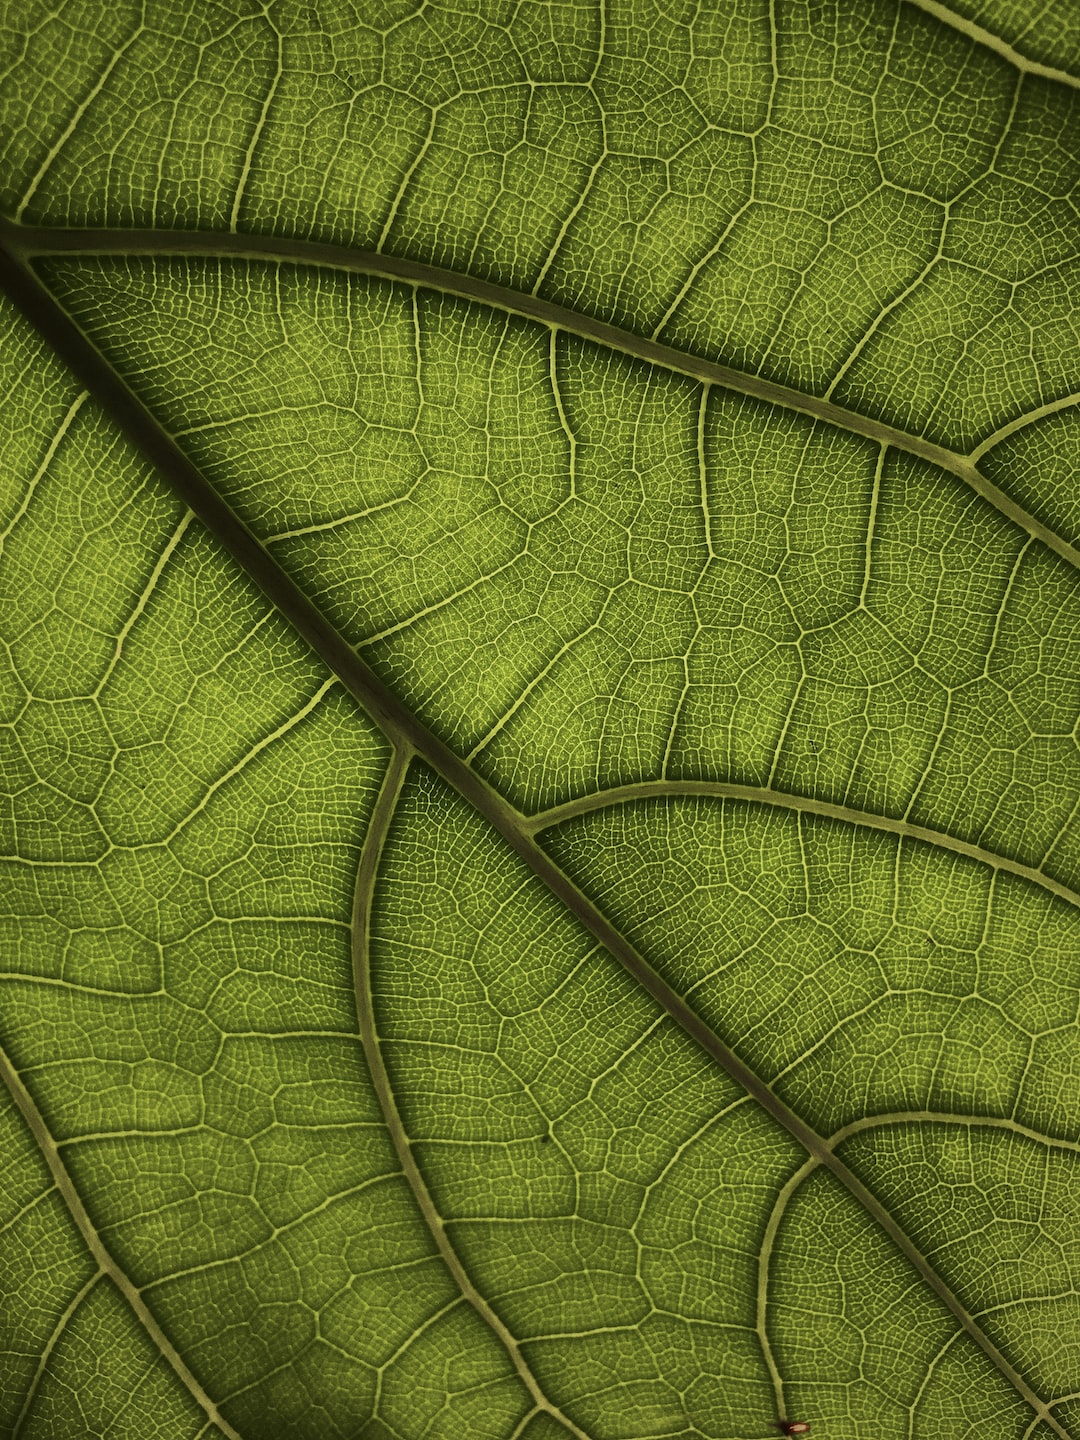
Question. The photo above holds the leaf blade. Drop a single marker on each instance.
(924, 692)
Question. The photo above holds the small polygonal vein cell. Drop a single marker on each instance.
(827, 196)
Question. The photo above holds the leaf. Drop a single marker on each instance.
(540, 712)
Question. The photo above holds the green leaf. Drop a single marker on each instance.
(540, 861)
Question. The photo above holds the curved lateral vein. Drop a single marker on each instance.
(106, 1264)
(993, 42)
(810, 1166)
(406, 732)
(50, 1345)
(1021, 422)
(25, 242)
(947, 1117)
(803, 805)
(768, 1241)
(366, 877)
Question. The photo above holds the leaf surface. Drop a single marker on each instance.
(541, 841)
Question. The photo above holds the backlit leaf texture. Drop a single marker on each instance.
(540, 720)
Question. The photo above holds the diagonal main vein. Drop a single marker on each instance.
(407, 732)
(25, 242)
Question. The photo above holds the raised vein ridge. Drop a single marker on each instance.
(949, 1117)
(806, 805)
(47, 1352)
(366, 877)
(25, 242)
(407, 733)
(106, 1264)
(1001, 47)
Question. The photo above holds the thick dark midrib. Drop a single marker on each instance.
(407, 732)
(25, 242)
(366, 877)
(106, 1264)
(805, 805)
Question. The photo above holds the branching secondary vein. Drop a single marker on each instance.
(50, 1345)
(25, 242)
(802, 804)
(105, 1262)
(993, 42)
(410, 735)
(366, 878)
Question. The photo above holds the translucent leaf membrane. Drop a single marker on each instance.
(74, 1359)
(912, 1005)
(585, 571)
(186, 795)
(859, 195)
(610, 1191)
